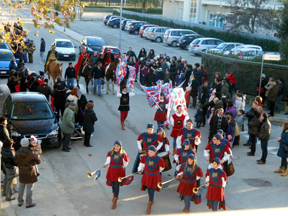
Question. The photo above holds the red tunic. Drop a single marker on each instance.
(217, 150)
(178, 124)
(160, 115)
(215, 190)
(189, 134)
(116, 167)
(152, 175)
(223, 140)
(78, 64)
(183, 154)
(189, 180)
(149, 139)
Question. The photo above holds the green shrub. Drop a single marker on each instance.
(267, 45)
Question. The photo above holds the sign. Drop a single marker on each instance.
(271, 57)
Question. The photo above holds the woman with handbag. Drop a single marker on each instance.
(283, 150)
(8, 154)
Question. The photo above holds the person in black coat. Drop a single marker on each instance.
(89, 121)
(59, 97)
(4, 132)
(12, 65)
(218, 87)
(151, 54)
(142, 54)
(45, 89)
(194, 90)
(131, 53)
(188, 72)
(12, 83)
(218, 121)
(82, 102)
(150, 78)
(173, 72)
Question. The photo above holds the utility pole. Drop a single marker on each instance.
(120, 32)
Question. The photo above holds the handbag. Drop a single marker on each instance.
(12, 173)
(230, 170)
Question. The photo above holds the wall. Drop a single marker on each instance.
(170, 9)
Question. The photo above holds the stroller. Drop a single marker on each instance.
(78, 133)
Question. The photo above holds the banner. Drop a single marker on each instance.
(132, 76)
(153, 93)
(167, 89)
(121, 69)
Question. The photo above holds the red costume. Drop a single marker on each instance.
(215, 191)
(79, 63)
(160, 114)
(178, 124)
(189, 134)
(189, 181)
(217, 150)
(183, 154)
(116, 167)
(108, 58)
(149, 139)
(151, 176)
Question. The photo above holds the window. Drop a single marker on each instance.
(193, 11)
(204, 42)
(64, 44)
(159, 30)
(211, 42)
(174, 33)
(229, 47)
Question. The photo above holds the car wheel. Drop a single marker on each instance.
(158, 40)
(174, 43)
(114, 26)
(136, 32)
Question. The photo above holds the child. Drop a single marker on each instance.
(160, 115)
(260, 105)
(199, 116)
(35, 146)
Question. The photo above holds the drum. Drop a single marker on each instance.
(166, 159)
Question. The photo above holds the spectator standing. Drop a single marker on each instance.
(98, 74)
(164, 66)
(19, 54)
(68, 125)
(70, 74)
(218, 87)
(229, 135)
(199, 73)
(42, 50)
(59, 96)
(194, 91)
(224, 87)
(131, 53)
(283, 150)
(142, 55)
(94, 58)
(187, 75)
(199, 116)
(31, 48)
(12, 83)
(264, 82)
(137, 68)
(4, 133)
(240, 118)
(272, 97)
(264, 131)
(45, 89)
(205, 73)
(240, 102)
(73, 97)
(26, 161)
(268, 86)
(151, 54)
(150, 79)
(218, 121)
(253, 131)
(280, 95)
(232, 84)
(12, 66)
(89, 121)
(230, 108)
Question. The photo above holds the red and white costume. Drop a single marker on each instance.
(212, 151)
(160, 114)
(193, 135)
(178, 121)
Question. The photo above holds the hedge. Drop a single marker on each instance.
(267, 45)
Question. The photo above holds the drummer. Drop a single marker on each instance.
(182, 154)
(189, 174)
(145, 140)
(166, 146)
(190, 133)
(152, 165)
(117, 159)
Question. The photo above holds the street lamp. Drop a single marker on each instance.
(120, 32)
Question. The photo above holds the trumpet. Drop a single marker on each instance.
(160, 184)
(196, 190)
(120, 179)
(89, 175)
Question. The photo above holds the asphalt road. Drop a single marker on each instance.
(63, 188)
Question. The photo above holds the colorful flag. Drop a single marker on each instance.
(153, 93)
(132, 76)
(121, 70)
(167, 89)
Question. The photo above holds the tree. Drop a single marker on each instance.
(282, 28)
(249, 14)
(284, 49)
(145, 4)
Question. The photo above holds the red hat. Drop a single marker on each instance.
(109, 50)
(33, 139)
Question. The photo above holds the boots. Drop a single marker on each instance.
(122, 124)
(285, 173)
(113, 195)
(174, 151)
(149, 207)
(186, 211)
(114, 202)
(280, 170)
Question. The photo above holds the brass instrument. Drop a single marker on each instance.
(120, 179)
(160, 184)
(89, 175)
(196, 190)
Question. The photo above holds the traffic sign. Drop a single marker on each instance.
(271, 57)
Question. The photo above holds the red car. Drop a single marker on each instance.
(143, 27)
(115, 51)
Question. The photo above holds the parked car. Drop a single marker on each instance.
(171, 36)
(114, 23)
(91, 44)
(128, 24)
(29, 113)
(135, 26)
(147, 31)
(4, 45)
(5, 57)
(185, 40)
(123, 23)
(143, 27)
(221, 48)
(65, 49)
(234, 50)
(248, 53)
(202, 44)
(157, 33)
(107, 17)
(115, 51)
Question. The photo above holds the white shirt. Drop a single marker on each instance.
(131, 94)
(172, 120)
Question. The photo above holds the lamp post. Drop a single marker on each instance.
(120, 32)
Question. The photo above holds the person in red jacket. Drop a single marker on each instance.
(189, 174)
(82, 61)
(232, 84)
(117, 159)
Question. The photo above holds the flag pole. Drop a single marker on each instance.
(150, 96)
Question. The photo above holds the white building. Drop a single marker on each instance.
(203, 11)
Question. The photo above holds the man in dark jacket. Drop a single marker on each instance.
(19, 54)
(89, 121)
(272, 97)
(59, 96)
(94, 58)
(218, 87)
(187, 75)
(250, 116)
(70, 74)
(218, 121)
(194, 90)
(45, 89)
(98, 74)
(42, 50)
(26, 160)
(131, 53)
(4, 133)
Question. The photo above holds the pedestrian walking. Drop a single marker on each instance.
(31, 48)
(281, 85)
(59, 97)
(94, 58)
(98, 74)
(253, 131)
(264, 131)
(68, 125)
(26, 161)
(70, 75)
(42, 50)
(283, 150)
(12, 66)
(88, 124)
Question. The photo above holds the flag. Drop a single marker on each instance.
(121, 69)
(177, 97)
(132, 76)
(97, 174)
(128, 180)
(153, 93)
(167, 89)
(180, 84)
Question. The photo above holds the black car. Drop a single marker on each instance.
(135, 26)
(107, 17)
(29, 113)
(114, 23)
(123, 23)
(185, 40)
(91, 44)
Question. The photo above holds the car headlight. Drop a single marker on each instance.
(89, 49)
(54, 132)
(15, 134)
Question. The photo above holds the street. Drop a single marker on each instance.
(63, 188)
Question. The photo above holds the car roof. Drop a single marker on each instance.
(208, 38)
(136, 21)
(113, 47)
(190, 34)
(28, 97)
(58, 39)
(249, 49)
(232, 43)
(93, 37)
(150, 25)
(180, 30)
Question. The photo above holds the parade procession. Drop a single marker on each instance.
(116, 123)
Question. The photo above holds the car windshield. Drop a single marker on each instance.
(114, 51)
(64, 44)
(95, 42)
(31, 111)
(3, 46)
(6, 56)
(221, 46)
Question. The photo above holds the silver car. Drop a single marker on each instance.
(146, 32)
(234, 50)
(172, 36)
(157, 34)
(127, 24)
(202, 44)
(221, 48)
